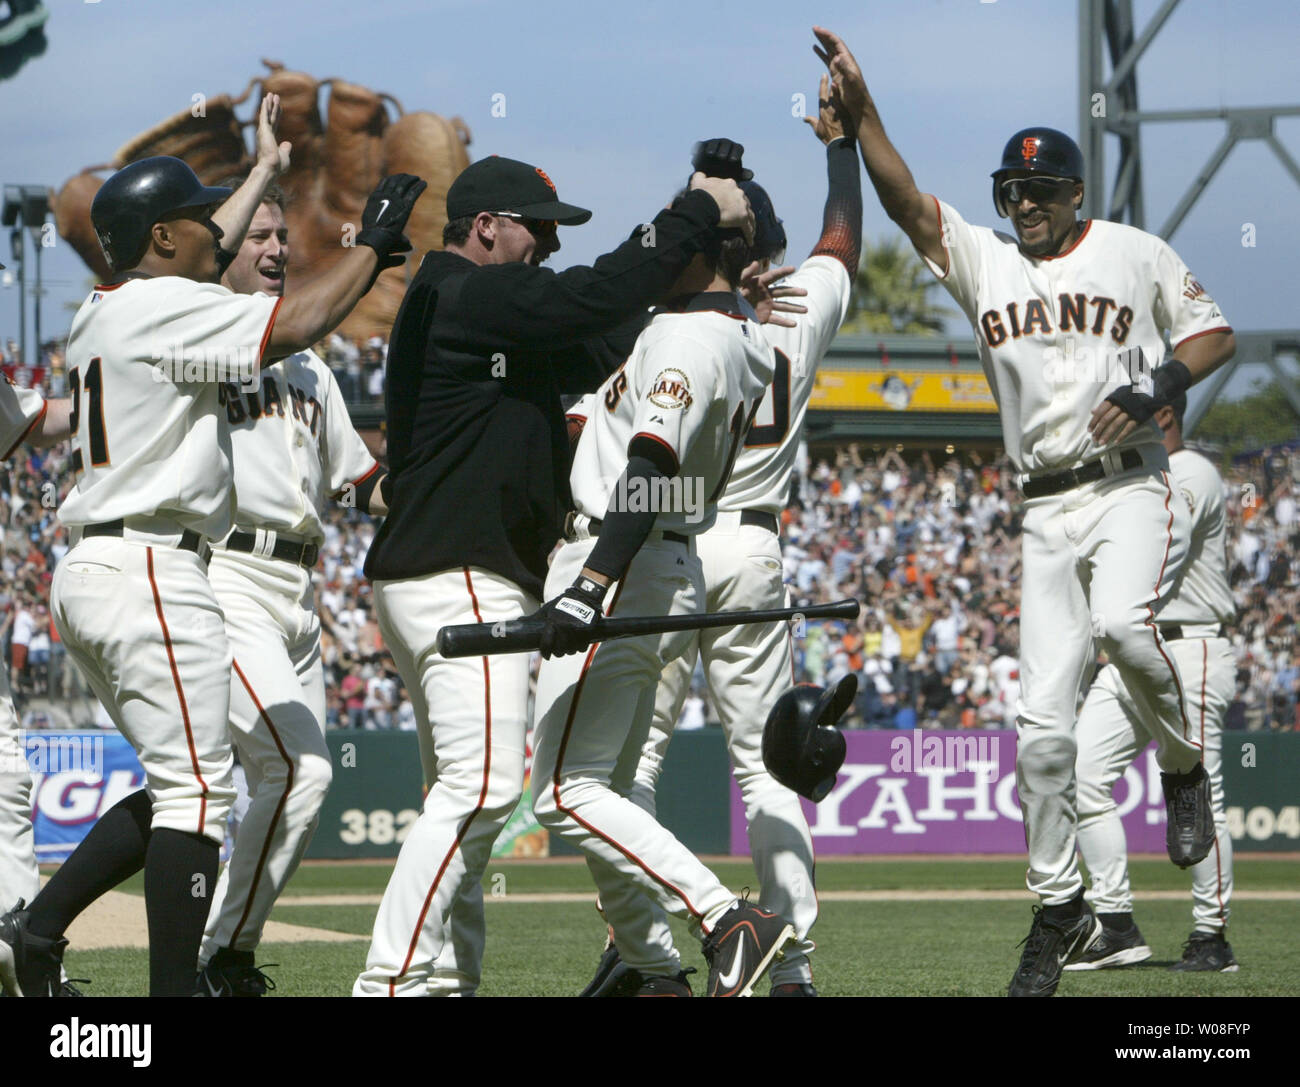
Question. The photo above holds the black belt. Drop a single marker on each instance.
(190, 541)
(1175, 633)
(298, 552)
(1056, 482)
(593, 529)
(759, 519)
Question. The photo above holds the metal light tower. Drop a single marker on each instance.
(1108, 105)
(26, 206)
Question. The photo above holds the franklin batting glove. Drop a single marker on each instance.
(571, 619)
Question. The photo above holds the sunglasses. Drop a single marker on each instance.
(1040, 190)
(535, 227)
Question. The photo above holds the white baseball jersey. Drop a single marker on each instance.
(693, 383)
(145, 358)
(20, 410)
(294, 446)
(761, 478)
(1057, 334)
(1202, 594)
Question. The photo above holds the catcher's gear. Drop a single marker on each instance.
(769, 233)
(1041, 151)
(137, 196)
(721, 158)
(341, 150)
(385, 217)
(801, 747)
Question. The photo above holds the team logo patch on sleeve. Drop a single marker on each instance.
(671, 389)
(1192, 289)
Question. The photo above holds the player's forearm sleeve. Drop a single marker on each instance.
(623, 532)
(842, 220)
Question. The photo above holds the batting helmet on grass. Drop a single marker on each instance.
(801, 747)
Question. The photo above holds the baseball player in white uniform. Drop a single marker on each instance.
(1112, 733)
(1070, 318)
(25, 416)
(676, 413)
(132, 601)
(293, 448)
(748, 667)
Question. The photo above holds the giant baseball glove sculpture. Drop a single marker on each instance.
(338, 159)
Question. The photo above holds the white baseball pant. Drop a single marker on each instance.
(476, 712)
(1111, 734)
(592, 720)
(141, 622)
(1098, 561)
(747, 668)
(457, 970)
(19, 875)
(277, 719)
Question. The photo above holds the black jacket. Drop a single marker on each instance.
(479, 358)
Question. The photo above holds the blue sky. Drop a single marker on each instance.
(609, 98)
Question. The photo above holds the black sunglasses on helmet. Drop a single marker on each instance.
(1038, 189)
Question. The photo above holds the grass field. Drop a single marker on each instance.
(964, 945)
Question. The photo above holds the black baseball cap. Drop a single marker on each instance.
(497, 184)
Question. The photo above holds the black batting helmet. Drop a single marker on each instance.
(137, 196)
(1039, 150)
(769, 232)
(801, 747)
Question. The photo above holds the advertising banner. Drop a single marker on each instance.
(946, 792)
(78, 776)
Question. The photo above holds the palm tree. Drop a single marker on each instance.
(891, 293)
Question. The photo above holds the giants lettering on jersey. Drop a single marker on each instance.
(251, 406)
(1075, 312)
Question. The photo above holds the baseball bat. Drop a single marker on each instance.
(524, 635)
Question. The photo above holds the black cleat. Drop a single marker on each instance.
(793, 988)
(29, 965)
(1116, 946)
(1059, 935)
(1189, 836)
(614, 978)
(741, 947)
(659, 985)
(233, 973)
(1204, 952)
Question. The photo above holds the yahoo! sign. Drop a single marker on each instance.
(946, 792)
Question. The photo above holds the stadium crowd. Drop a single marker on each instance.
(931, 547)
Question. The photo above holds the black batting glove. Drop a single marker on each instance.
(721, 158)
(1167, 383)
(385, 216)
(571, 618)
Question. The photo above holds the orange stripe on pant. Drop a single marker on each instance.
(180, 692)
(469, 819)
(1151, 615)
(1218, 860)
(559, 765)
(279, 808)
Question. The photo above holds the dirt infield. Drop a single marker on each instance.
(118, 920)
